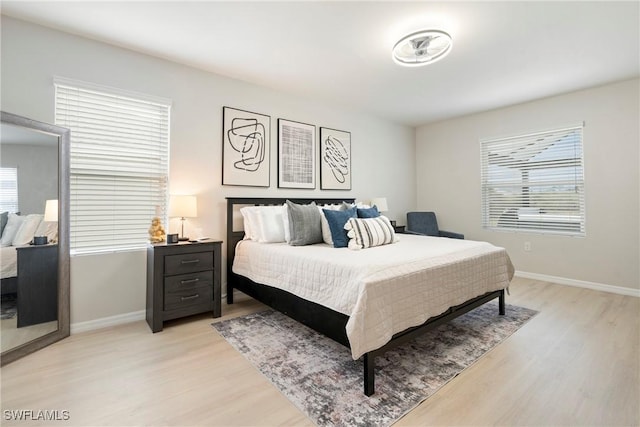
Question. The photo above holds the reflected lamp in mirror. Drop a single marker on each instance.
(183, 207)
(51, 211)
(48, 230)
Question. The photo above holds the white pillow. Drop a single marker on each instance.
(263, 224)
(13, 225)
(270, 224)
(49, 229)
(326, 231)
(27, 230)
(248, 219)
(368, 232)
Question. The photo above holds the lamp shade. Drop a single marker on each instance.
(183, 206)
(51, 211)
(380, 203)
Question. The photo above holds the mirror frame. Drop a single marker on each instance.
(64, 328)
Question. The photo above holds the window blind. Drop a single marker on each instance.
(9, 190)
(118, 164)
(534, 182)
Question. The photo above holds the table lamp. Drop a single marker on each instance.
(380, 203)
(50, 215)
(183, 207)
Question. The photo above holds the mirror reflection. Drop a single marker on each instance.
(29, 233)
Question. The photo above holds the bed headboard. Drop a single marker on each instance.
(233, 236)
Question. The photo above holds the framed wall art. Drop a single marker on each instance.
(245, 148)
(335, 159)
(296, 155)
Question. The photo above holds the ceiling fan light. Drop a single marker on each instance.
(422, 47)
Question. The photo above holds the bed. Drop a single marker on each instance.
(8, 270)
(391, 292)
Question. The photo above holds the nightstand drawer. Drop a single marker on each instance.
(188, 297)
(188, 281)
(187, 263)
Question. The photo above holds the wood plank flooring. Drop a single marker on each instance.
(576, 363)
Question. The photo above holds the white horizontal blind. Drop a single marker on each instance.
(535, 182)
(9, 190)
(119, 165)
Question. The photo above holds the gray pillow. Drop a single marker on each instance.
(4, 217)
(305, 224)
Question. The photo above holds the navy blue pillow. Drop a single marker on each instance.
(336, 221)
(369, 212)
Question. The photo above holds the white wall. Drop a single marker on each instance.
(448, 182)
(109, 285)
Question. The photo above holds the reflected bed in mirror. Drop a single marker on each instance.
(34, 235)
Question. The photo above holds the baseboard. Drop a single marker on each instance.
(105, 322)
(580, 284)
(119, 319)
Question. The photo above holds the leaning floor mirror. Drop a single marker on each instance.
(34, 257)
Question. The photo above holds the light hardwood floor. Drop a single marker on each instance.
(575, 363)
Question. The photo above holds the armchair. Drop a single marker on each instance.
(425, 223)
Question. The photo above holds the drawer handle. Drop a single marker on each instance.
(189, 281)
(190, 297)
(190, 261)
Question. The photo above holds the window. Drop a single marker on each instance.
(118, 164)
(534, 182)
(9, 190)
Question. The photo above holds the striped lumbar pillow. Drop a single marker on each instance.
(367, 232)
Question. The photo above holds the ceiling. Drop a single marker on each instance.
(340, 52)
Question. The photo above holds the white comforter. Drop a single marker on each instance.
(8, 262)
(385, 289)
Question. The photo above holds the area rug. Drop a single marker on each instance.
(319, 376)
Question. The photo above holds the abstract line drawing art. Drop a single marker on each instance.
(245, 148)
(246, 137)
(335, 159)
(296, 154)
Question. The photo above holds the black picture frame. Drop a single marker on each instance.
(246, 148)
(335, 159)
(296, 154)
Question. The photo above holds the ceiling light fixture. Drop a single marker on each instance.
(422, 47)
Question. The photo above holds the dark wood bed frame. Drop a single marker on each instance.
(322, 319)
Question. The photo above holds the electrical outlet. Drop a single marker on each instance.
(527, 246)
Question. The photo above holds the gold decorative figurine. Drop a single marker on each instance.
(156, 231)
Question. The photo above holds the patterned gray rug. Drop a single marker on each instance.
(319, 376)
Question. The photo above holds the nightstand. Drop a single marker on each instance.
(183, 279)
(37, 284)
(398, 229)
